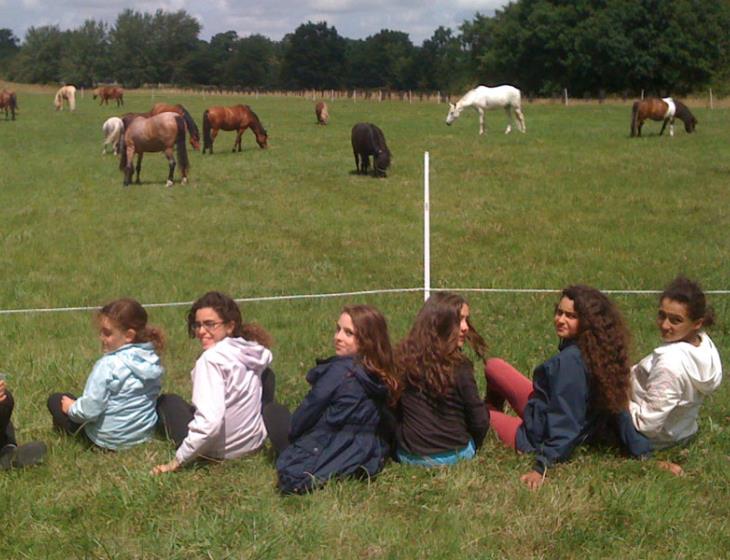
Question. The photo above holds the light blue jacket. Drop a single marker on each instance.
(118, 404)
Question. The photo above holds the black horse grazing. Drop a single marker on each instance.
(368, 140)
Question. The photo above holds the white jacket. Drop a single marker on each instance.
(669, 386)
(227, 400)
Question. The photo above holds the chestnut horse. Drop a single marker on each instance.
(323, 115)
(368, 140)
(9, 102)
(158, 133)
(67, 94)
(666, 109)
(238, 118)
(105, 93)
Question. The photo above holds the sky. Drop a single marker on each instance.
(353, 19)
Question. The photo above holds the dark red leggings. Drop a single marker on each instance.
(505, 381)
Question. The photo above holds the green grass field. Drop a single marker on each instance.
(573, 200)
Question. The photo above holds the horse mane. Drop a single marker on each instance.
(192, 127)
(256, 123)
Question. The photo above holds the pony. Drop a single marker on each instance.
(9, 102)
(112, 128)
(368, 140)
(157, 133)
(67, 94)
(158, 108)
(483, 98)
(105, 93)
(666, 109)
(322, 113)
(238, 118)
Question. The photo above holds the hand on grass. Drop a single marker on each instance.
(532, 479)
(66, 404)
(166, 467)
(673, 468)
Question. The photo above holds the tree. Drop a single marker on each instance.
(443, 62)
(86, 56)
(9, 48)
(40, 55)
(253, 63)
(313, 57)
(131, 48)
(385, 59)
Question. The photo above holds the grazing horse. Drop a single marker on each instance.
(158, 108)
(9, 102)
(105, 93)
(483, 98)
(158, 133)
(238, 118)
(67, 94)
(368, 140)
(666, 109)
(322, 113)
(112, 128)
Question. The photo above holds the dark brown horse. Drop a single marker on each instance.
(368, 140)
(9, 102)
(666, 109)
(238, 118)
(105, 93)
(158, 133)
(323, 115)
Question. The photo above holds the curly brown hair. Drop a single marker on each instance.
(373, 342)
(429, 355)
(603, 340)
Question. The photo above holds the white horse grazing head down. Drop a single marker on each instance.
(483, 98)
(67, 94)
(112, 128)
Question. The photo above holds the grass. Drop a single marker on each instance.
(573, 200)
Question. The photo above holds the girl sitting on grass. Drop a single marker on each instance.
(573, 393)
(12, 455)
(441, 418)
(336, 431)
(670, 384)
(117, 408)
(231, 383)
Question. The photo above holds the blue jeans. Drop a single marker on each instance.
(438, 459)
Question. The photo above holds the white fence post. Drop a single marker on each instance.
(426, 230)
(711, 104)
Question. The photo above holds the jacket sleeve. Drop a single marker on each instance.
(566, 409)
(315, 403)
(93, 402)
(477, 419)
(210, 407)
(663, 394)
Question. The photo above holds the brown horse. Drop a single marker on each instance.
(158, 133)
(323, 115)
(238, 118)
(368, 140)
(666, 109)
(9, 102)
(158, 108)
(105, 93)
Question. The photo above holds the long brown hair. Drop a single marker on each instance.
(228, 311)
(373, 343)
(128, 313)
(429, 355)
(603, 340)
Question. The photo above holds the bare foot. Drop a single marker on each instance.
(673, 468)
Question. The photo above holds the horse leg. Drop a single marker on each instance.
(520, 120)
(213, 135)
(171, 163)
(481, 121)
(671, 128)
(139, 166)
(237, 143)
(508, 110)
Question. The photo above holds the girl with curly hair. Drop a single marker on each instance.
(571, 393)
(441, 418)
(670, 384)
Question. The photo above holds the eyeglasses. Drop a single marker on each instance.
(207, 325)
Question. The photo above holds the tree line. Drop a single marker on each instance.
(591, 47)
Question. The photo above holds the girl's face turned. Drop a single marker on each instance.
(112, 337)
(675, 324)
(210, 328)
(345, 341)
(566, 319)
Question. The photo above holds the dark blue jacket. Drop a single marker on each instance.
(335, 431)
(559, 416)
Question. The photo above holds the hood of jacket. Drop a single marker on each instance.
(253, 355)
(701, 363)
(371, 384)
(140, 359)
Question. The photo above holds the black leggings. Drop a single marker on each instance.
(7, 432)
(61, 421)
(175, 414)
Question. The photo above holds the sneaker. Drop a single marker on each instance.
(29, 454)
(6, 456)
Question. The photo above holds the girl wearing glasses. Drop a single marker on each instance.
(337, 430)
(117, 408)
(231, 382)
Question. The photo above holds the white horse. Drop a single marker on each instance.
(112, 128)
(68, 94)
(483, 98)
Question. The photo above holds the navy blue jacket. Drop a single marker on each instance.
(558, 416)
(335, 431)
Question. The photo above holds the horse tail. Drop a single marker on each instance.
(123, 147)
(207, 140)
(634, 118)
(182, 151)
(192, 127)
